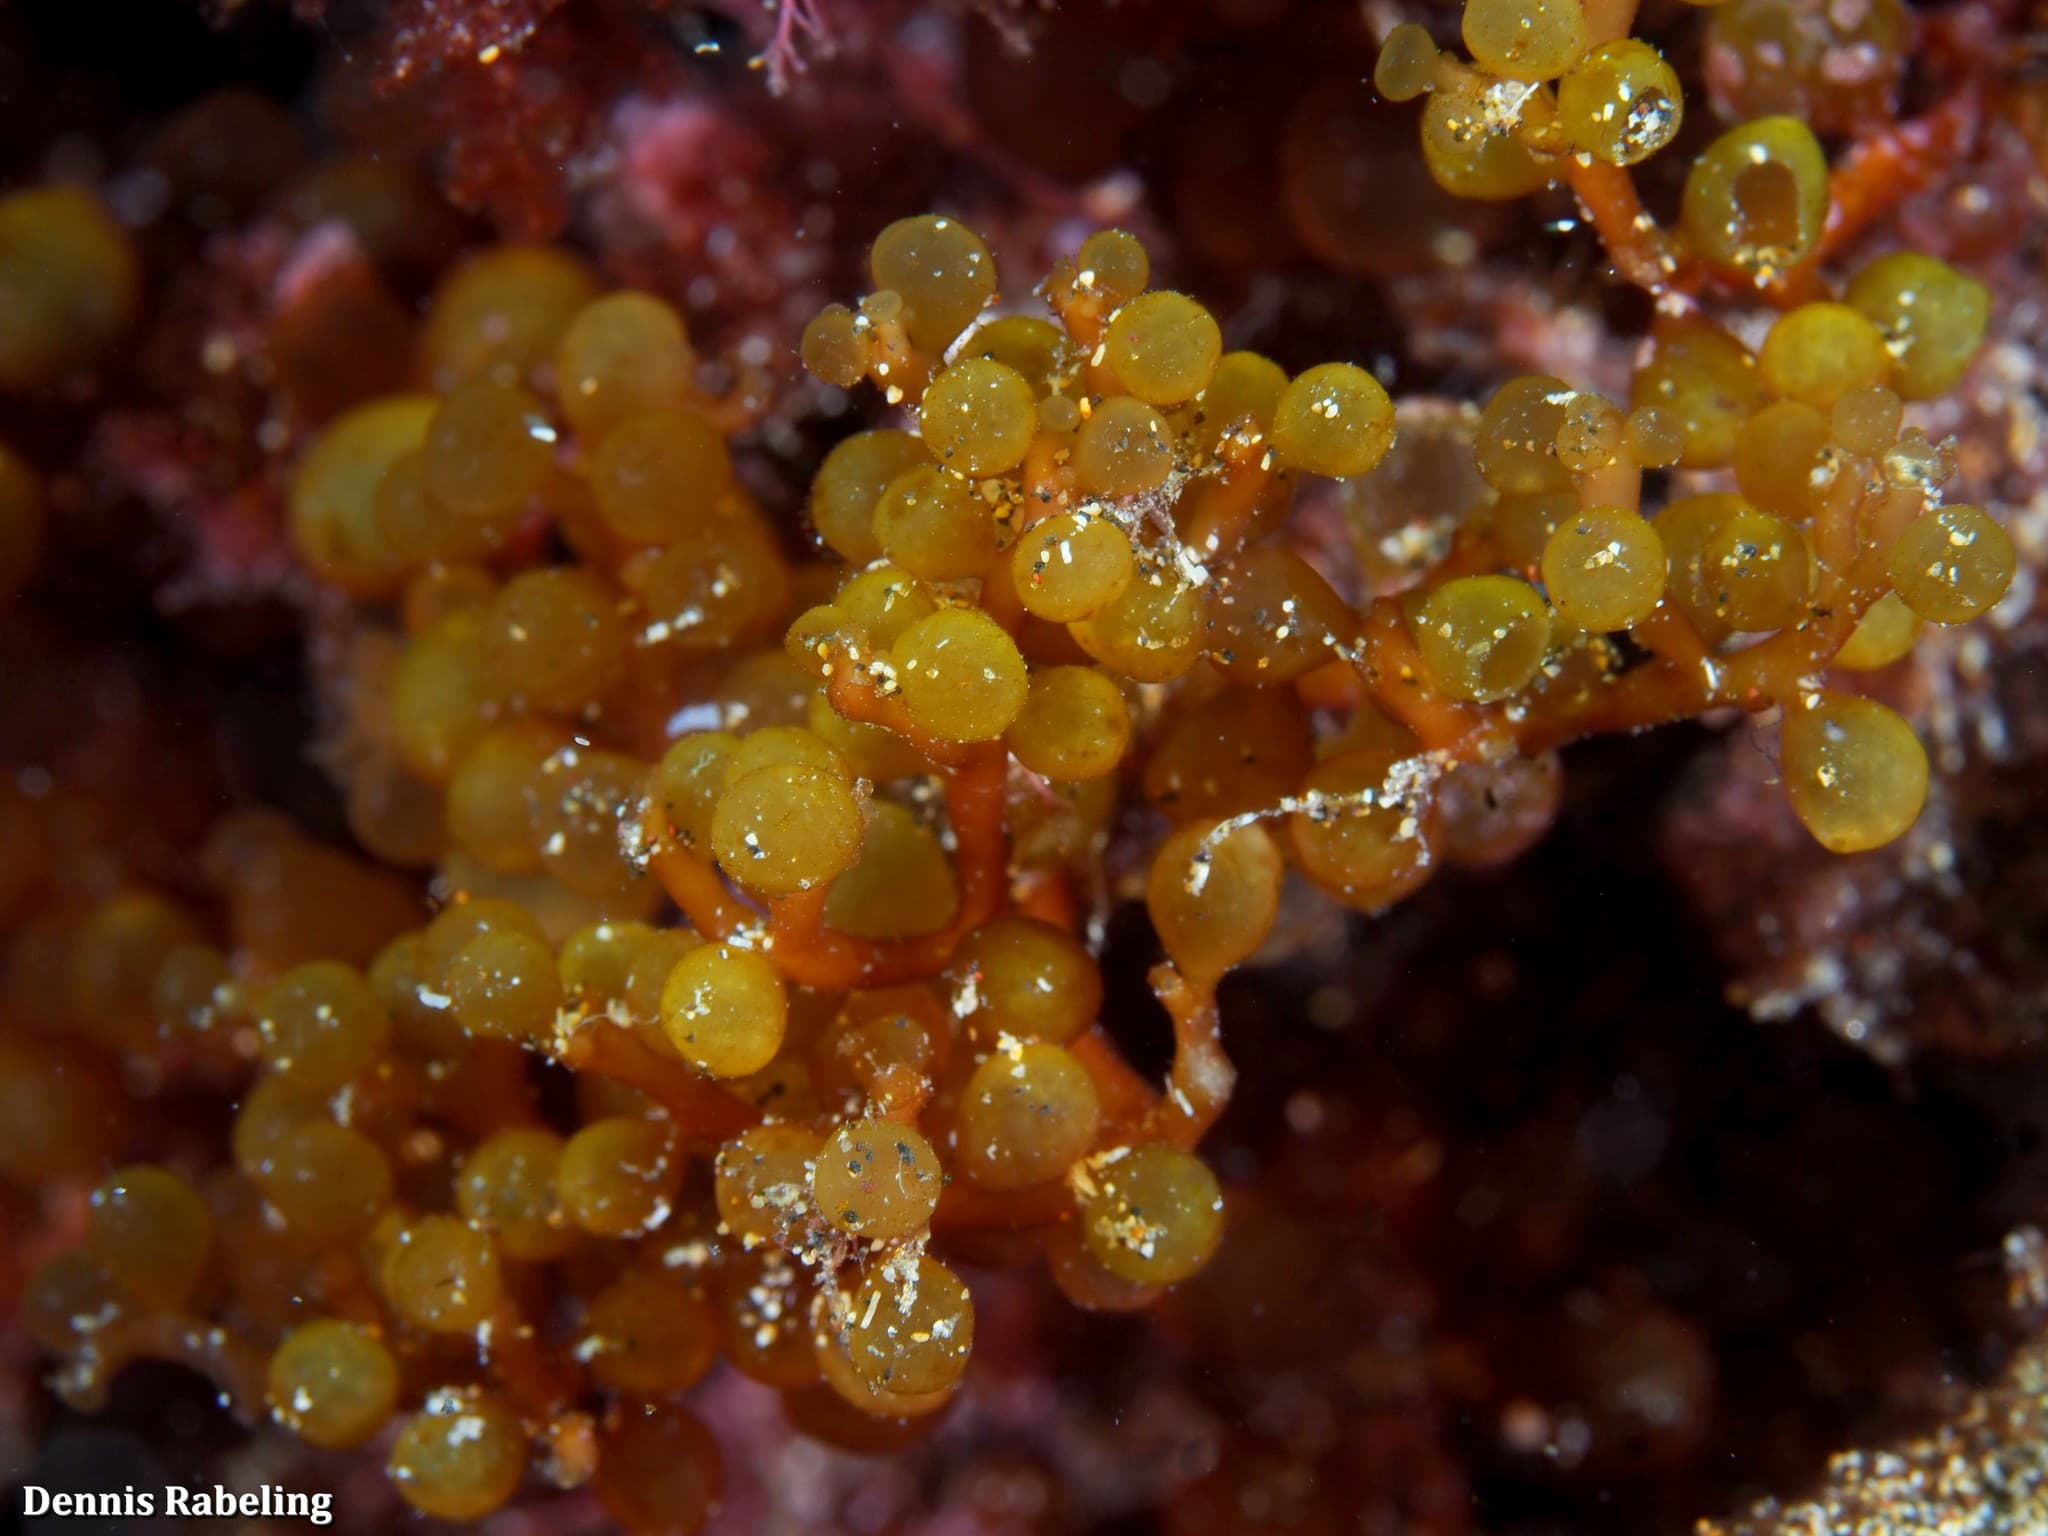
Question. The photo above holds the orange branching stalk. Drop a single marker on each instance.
(234, 1365)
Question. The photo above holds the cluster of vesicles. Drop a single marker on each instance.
(1112, 487)
(1544, 90)
(754, 1167)
(881, 785)
(1537, 88)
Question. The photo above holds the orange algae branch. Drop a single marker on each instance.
(1126, 1097)
(1875, 174)
(1199, 1084)
(233, 1364)
(493, 1091)
(703, 1112)
(690, 880)
(538, 1382)
(1223, 523)
(1390, 666)
(1642, 252)
(966, 1208)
